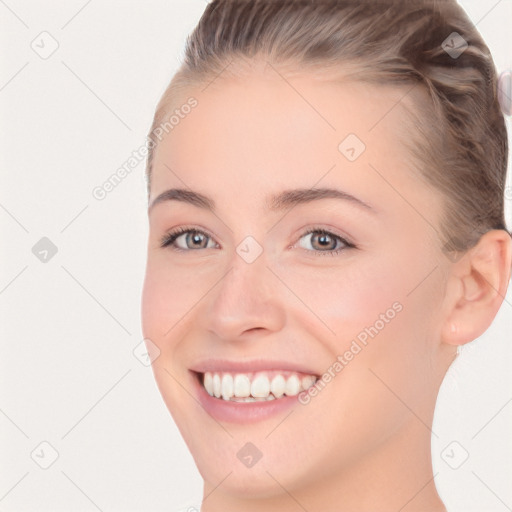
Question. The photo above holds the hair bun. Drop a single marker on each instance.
(505, 92)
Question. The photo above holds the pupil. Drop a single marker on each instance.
(323, 239)
(196, 239)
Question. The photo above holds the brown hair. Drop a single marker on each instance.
(461, 145)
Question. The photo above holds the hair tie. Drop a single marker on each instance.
(505, 92)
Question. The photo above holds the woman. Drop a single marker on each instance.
(326, 188)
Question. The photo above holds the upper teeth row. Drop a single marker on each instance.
(241, 385)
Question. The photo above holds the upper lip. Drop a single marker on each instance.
(218, 365)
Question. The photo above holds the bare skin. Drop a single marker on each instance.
(362, 444)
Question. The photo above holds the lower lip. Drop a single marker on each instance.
(241, 412)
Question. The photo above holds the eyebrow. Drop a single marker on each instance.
(281, 201)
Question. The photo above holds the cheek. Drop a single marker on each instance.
(383, 304)
(385, 321)
(169, 293)
(168, 296)
(347, 297)
(156, 304)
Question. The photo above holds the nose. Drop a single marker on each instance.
(246, 302)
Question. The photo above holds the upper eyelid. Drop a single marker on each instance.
(178, 232)
(315, 229)
(343, 239)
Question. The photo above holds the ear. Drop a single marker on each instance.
(477, 287)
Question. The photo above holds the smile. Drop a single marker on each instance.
(256, 386)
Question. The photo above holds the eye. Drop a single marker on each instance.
(185, 239)
(324, 242)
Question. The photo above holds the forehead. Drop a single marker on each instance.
(267, 131)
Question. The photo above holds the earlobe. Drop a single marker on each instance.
(478, 287)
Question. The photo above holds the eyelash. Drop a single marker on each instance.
(169, 238)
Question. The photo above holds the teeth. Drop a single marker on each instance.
(259, 386)
(208, 383)
(292, 386)
(307, 382)
(242, 385)
(216, 385)
(278, 386)
(252, 399)
(227, 386)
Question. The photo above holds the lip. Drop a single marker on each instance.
(255, 365)
(242, 413)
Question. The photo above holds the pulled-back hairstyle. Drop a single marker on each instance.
(461, 146)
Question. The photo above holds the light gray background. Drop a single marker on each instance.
(69, 326)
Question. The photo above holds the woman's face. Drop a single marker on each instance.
(253, 293)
